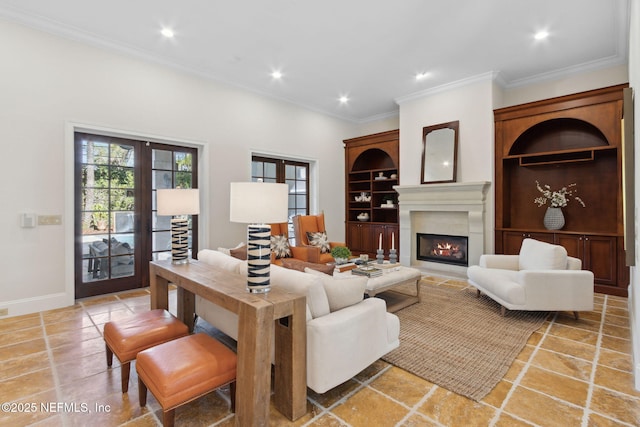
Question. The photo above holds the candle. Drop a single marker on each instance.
(380, 242)
(393, 238)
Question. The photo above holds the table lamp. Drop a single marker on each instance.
(178, 203)
(258, 204)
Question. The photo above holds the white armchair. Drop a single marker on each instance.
(542, 277)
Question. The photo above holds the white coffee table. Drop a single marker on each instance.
(394, 276)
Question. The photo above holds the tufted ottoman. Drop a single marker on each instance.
(184, 369)
(126, 338)
(395, 276)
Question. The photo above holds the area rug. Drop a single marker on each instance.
(460, 342)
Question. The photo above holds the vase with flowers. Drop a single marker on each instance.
(553, 217)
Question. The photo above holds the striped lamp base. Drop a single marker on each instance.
(179, 240)
(258, 258)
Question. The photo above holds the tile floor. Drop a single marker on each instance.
(571, 373)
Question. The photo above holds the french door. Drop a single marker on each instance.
(117, 230)
(293, 173)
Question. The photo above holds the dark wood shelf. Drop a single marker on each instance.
(559, 156)
(544, 230)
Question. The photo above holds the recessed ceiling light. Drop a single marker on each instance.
(276, 75)
(541, 35)
(421, 76)
(344, 99)
(167, 32)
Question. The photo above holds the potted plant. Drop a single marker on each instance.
(341, 254)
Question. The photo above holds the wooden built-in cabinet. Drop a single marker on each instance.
(371, 168)
(557, 142)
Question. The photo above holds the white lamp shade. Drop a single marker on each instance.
(259, 202)
(178, 201)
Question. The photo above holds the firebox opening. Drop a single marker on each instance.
(442, 248)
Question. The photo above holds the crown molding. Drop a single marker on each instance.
(490, 76)
(381, 116)
(567, 72)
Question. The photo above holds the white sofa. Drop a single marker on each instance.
(542, 277)
(345, 333)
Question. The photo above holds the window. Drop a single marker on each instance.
(293, 173)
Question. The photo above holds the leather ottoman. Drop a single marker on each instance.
(126, 338)
(183, 370)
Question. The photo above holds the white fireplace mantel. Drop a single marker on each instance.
(455, 198)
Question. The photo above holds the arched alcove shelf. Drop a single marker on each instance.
(371, 159)
(561, 140)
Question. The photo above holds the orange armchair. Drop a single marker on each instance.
(303, 224)
(300, 253)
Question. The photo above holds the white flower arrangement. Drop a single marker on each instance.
(557, 199)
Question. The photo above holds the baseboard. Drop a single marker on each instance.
(37, 304)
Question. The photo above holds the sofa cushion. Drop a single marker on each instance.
(502, 284)
(302, 283)
(537, 255)
(320, 240)
(220, 260)
(239, 253)
(341, 291)
(296, 264)
(280, 246)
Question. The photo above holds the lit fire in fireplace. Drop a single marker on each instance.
(446, 249)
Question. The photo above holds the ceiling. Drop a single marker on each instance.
(367, 50)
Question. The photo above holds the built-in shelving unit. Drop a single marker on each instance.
(557, 142)
(371, 171)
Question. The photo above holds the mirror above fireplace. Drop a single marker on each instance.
(439, 153)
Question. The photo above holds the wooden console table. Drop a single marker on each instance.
(261, 317)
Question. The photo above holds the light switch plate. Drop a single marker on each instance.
(49, 219)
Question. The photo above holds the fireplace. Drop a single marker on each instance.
(455, 209)
(442, 248)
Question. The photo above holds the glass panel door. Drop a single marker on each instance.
(116, 226)
(171, 167)
(107, 209)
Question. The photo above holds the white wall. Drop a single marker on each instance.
(382, 125)
(49, 84)
(472, 105)
(634, 82)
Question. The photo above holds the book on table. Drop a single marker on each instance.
(367, 270)
(346, 267)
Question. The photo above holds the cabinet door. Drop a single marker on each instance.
(359, 238)
(574, 244)
(389, 232)
(512, 240)
(598, 254)
(600, 257)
